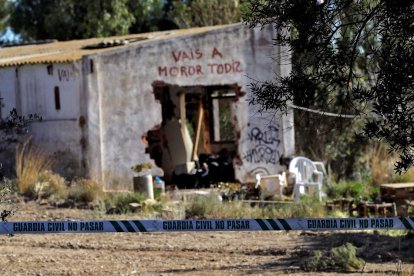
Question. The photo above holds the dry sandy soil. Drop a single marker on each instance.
(238, 253)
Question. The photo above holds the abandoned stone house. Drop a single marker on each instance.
(175, 99)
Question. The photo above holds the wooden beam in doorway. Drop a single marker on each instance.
(198, 131)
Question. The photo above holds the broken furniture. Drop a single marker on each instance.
(362, 208)
(343, 204)
(271, 184)
(367, 209)
(307, 177)
(320, 166)
(399, 193)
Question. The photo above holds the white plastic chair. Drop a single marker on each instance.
(306, 175)
(279, 181)
(320, 166)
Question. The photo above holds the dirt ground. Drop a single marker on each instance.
(230, 253)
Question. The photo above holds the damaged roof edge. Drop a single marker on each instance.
(75, 50)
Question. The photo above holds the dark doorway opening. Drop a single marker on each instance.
(197, 140)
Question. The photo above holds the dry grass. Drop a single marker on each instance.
(211, 208)
(48, 185)
(382, 167)
(31, 161)
(85, 191)
(408, 176)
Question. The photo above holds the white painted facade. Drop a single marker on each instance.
(31, 89)
(107, 101)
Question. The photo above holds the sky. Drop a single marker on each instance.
(9, 35)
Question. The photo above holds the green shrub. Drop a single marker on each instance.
(85, 191)
(308, 207)
(7, 187)
(211, 208)
(353, 189)
(121, 201)
(140, 167)
(339, 258)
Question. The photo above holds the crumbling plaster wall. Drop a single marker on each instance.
(122, 106)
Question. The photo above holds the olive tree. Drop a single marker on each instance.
(351, 57)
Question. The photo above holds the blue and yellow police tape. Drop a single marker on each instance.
(102, 226)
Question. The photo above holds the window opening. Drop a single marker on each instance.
(57, 98)
(50, 69)
(222, 120)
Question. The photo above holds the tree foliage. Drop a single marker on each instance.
(199, 13)
(352, 57)
(148, 15)
(4, 15)
(105, 18)
(14, 125)
(70, 19)
(11, 127)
